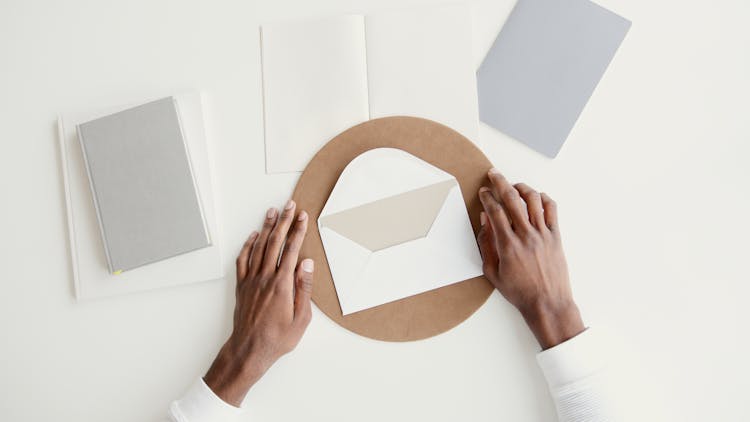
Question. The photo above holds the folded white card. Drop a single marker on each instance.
(395, 226)
(323, 76)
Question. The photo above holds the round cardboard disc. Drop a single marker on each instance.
(426, 314)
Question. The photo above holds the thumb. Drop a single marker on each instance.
(303, 292)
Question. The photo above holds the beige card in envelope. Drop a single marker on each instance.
(395, 226)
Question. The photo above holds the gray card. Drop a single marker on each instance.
(142, 184)
(543, 68)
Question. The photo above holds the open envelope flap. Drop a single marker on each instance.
(391, 221)
(378, 174)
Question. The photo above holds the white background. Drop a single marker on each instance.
(652, 184)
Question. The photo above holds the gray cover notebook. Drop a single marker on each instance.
(142, 185)
(544, 66)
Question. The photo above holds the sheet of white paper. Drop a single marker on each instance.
(314, 86)
(420, 63)
(448, 254)
(91, 276)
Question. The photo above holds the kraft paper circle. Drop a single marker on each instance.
(426, 314)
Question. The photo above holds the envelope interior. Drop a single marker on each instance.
(391, 221)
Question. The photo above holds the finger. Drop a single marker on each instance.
(510, 199)
(502, 231)
(303, 293)
(278, 236)
(243, 259)
(550, 212)
(293, 244)
(486, 242)
(259, 250)
(533, 205)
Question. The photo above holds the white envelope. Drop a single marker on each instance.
(395, 226)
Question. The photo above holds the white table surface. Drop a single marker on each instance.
(653, 187)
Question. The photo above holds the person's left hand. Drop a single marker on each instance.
(273, 305)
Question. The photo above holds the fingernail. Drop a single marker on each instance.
(271, 213)
(302, 216)
(289, 205)
(482, 218)
(493, 171)
(484, 189)
(253, 234)
(308, 265)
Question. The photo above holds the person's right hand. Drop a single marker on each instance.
(273, 304)
(523, 258)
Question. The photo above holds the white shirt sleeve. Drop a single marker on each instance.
(577, 376)
(200, 404)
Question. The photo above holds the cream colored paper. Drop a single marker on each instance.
(314, 86)
(420, 63)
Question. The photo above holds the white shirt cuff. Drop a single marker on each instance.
(201, 404)
(573, 360)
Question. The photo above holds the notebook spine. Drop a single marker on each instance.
(95, 199)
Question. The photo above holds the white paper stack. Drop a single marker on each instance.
(91, 274)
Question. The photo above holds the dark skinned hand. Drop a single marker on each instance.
(273, 304)
(523, 258)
